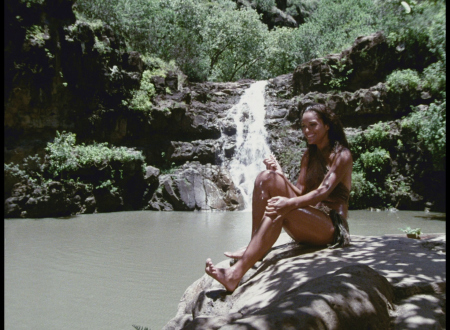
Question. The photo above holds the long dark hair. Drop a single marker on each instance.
(336, 135)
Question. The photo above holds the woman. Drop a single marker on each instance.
(312, 212)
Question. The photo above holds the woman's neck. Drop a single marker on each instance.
(324, 145)
(325, 150)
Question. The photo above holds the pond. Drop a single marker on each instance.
(116, 270)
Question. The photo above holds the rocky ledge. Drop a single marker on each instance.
(387, 282)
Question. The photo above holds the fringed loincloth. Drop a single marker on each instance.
(341, 231)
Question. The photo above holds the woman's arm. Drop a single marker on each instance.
(342, 165)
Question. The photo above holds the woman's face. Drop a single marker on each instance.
(314, 130)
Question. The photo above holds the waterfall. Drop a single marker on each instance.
(251, 146)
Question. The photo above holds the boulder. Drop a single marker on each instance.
(203, 151)
(196, 187)
(151, 175)
(376, 283)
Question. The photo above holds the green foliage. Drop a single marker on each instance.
(108, 185)
(397, 189)
(101, 47)
(65, 157)
(14, 172)
(403, 81)
(31, 171)
(430, 125)
(356, 143)
(434, 78)
(236, 50)
(364, 193)
(369, 169)
(265, 5)
(36, 34)
(340, 75)
(377, 133)
(412, 231)
(214, 40)
(282, 51)
(376, 160)
(335, 24)
(217, 41)
(141, 100)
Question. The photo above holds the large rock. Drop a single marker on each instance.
(203, 151)
(371, 284)
(196, 187)
(368, 61)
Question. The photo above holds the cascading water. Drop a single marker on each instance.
(251, 146)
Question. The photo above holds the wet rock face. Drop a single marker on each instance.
(196, 187)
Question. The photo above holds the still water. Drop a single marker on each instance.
(116, 270)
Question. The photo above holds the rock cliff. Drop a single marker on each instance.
(66, 74)
(387, 282)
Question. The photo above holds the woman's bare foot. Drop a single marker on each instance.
(226, 276)
(236, 254)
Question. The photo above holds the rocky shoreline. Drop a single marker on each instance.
(379, 282)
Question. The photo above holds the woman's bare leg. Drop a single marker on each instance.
(265, 181)
(306, 225)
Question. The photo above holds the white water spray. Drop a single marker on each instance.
(251, 135)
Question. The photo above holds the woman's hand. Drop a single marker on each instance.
(277, 207)
(272, 164)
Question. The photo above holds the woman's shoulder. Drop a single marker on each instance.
(305, 156)
(344, 152)
(343, 156)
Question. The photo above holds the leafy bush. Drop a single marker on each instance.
(356, 143)
(412, 231)
(364, 193)
(236, 50)
(334, 26)
(403, 81)
(430, 125)
(377, 134)
(340, 75)
(31, 172)
(397, 189)
(376, 160)
(108, 185)
(375, 165)
(265, 5)
(214, 40)
(35, 33)
(434, 78)
(64, 156)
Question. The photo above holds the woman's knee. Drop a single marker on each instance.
(265, 176)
